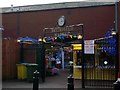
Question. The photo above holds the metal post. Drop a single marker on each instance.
(83, 59)
(117, 59)
(70, 83)
(1, 30)
(41, 61)
(71, 68)
(117, 39)
(43, 73)
(117, 83)
(36, 80)
(63, 66)
(117, 75)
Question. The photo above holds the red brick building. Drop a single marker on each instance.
(97, 18)
(31, 20)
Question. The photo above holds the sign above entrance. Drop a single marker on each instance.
(70, 30)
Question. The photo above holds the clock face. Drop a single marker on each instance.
(61, 21)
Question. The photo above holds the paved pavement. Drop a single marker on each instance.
(57, 82)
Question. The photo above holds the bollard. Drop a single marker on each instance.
(116, 85)
(36, 80)
(70, 83)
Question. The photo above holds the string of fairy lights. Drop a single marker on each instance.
(61, 38)
(108, 43)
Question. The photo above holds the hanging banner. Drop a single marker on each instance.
(89, 47)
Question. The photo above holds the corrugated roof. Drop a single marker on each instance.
(54, 6)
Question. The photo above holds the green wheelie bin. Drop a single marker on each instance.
(31, 68)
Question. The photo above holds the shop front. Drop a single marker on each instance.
(77, 63)
(99, 64)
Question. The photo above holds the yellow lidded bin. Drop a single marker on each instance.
(22, 71)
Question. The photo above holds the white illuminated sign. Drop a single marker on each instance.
(89, 47)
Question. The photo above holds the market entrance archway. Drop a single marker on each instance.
(65, 36)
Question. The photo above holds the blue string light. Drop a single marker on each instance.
(109, 44)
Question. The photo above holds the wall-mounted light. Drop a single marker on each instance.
(113, 32)
(18, 41)
(40, 40)
(79, 36)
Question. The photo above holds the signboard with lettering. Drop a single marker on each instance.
(89, 47)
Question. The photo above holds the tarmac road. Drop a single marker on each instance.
(57, 82)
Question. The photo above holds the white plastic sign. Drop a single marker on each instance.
(89, 47)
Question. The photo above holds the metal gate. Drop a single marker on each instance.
(60, 37)
(99, 71)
